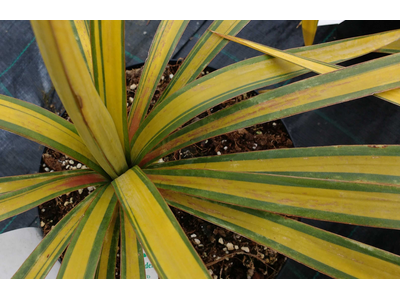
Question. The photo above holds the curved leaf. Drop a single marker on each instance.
(83, 253)
(320, 91)
(161, 236)
(41, 126)
(109, 72)
(42, 259)
(326, 252)
(16, 202)
(82, 36)
(74, 85)
(201, 55)
(392, 96)
(132, 259)
(108, 257)
(162, 47)
(377, 163)
(362, 203)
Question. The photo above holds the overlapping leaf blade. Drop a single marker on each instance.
(109, 72)
(32, 195)
(201, 55)
(108, 258)
(46, 128)
(311, 64)
(161, 236)
(373, 164)
(81, 31)
(42, 259)
(132, 259)
(328, 253)
(162, 47)
(353, 202)
(74, 85)
(83, 253)
(356, 81)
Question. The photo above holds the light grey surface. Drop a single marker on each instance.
(16, 246)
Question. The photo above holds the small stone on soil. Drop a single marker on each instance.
(71, 162)
(133, 86)
(229, 246)
(47, 169)
(193, 235)
(218, 153)
(42, 224)
(197, 241)
(79, 165)
(245, 249)
(221, 241)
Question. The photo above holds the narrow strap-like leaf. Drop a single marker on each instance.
(378, 163)
(215, 88)
(14, 183)
(362, 203)
(391, 48)
(82, 36)
(108, 257)
(309, 28)
(16, 202)
(132, 259)
(75, 87)
(40, 125)
(326, 252)
(42, 259)
(83, 253)
(109, 72)
(355, 82)
(201, 55)
(162, 47)
(160, 234)
(392, 96)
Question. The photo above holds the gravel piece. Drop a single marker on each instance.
(221, 241)
(230, 246)
(245, 249)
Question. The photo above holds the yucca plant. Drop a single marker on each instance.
(248, 193)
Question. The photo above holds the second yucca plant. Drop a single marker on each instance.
(248, 193)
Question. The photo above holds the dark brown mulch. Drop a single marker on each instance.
(226, 254)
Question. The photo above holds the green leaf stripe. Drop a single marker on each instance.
(95, 251)
(47, 117)
(360, 150)
(13, 203)
(260, 200)
(278, 98)
(48, 241)
(123, 257)
(201, 46)
(269, 240)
